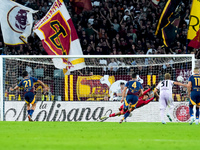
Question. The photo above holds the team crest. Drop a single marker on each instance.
(93, 87)
(17, 19)
(57, 34)
(181, 112)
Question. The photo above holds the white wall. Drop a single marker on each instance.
(89, 111)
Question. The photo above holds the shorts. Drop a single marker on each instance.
(30, 98)
(195, 98)
(131, 100)
(166, 100)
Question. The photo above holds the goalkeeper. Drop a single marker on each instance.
(143, 100)
(27, 84)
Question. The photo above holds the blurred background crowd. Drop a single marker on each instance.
(112, 27)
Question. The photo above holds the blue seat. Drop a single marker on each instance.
(58, 73)
(39, 73)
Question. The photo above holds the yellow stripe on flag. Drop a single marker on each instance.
(66, 87)
(161, 17)
(149, 80)
(71, 88)
(194, 19)
(77, 61)
(154, 79)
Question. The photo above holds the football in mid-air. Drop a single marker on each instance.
(180, 79)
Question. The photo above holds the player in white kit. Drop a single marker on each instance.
(165, 98)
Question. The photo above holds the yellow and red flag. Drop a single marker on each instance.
(195, 43)
(167, 12)
(59, 37)
(194, 23)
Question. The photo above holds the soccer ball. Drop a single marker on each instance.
(180, 79)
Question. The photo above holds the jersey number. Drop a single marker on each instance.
(163, 83)
(197, 81)
(134, 85)
(27, 83)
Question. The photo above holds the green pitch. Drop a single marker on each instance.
(98, 135)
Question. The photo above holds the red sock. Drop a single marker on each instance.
(112, 115)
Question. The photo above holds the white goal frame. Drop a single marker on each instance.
(192, 56)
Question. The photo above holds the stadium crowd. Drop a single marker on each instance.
(112, 27)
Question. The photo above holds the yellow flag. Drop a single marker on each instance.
(194, 19)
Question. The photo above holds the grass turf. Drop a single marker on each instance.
(98, 135)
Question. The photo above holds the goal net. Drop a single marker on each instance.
(98, 80)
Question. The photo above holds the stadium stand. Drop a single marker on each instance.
(112, 27)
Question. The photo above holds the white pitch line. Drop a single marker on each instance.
(167, 140)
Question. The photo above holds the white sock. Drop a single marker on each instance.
(162, 112)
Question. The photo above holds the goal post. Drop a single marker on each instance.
(98, 80)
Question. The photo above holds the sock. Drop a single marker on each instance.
(126, 115)
(112, 115)
(170, 111)
(31, 112)
(162, 111)
(197, 112)
(191, 110)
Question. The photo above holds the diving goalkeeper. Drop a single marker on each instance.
(143, 100)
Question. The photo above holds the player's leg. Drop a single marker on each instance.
(131, 100)
(121, 112)
(127, 102)
(32, 109)
(29, 111)
(116, 114)
(163, 105)
(27, 100)
(171, 107)
(197, 110)
(191, 106)
(191, 113)
(28, 108)
(197, 115)
(103, 118)
(33, 103)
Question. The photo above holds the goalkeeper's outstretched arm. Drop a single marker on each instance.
(156, 93)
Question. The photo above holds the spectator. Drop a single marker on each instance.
(106, 98)
(45, 8)
(29, 69)
(108, 23)
(89, 31)
(112, 65)
(119, 92)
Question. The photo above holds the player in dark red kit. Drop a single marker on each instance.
(143, 100)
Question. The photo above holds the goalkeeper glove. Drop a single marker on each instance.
(153, 86)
